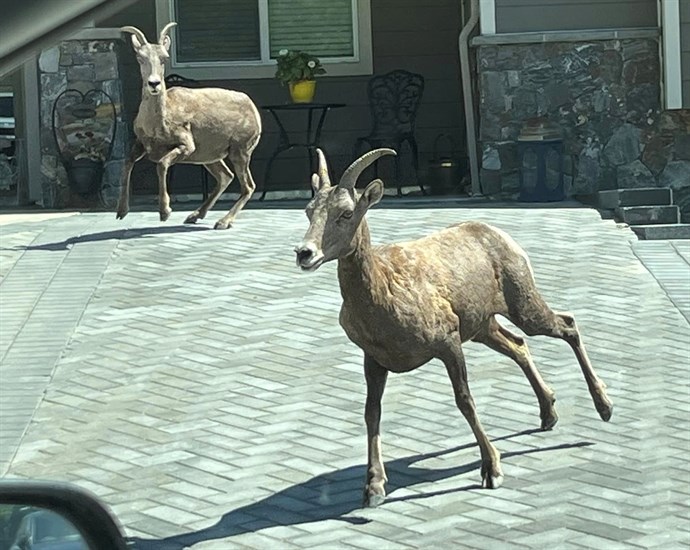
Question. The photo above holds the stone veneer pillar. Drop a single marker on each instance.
(602, 88)
(90, 59)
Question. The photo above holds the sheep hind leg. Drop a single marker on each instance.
(502, 340)
(223, 176)
(535, 317)
(567, 330)
(240, 161)
(454, 360)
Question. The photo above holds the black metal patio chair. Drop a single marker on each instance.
(394, 100)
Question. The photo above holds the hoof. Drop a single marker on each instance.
(220, 224)
(549, 421)
(121, 214)
(165, 214)
(192, 218)
(605, 411)
(373, 500)
(492, 482)
(492, 476)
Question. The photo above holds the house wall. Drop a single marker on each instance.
(559, 15)
(416, 35)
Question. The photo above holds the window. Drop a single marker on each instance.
(241, 38)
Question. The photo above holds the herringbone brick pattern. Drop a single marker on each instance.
(669, 262)
(209, 396)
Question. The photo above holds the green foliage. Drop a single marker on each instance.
(295, 65)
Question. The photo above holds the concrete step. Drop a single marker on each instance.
(662, 231)
(650, 196)
(645, 215)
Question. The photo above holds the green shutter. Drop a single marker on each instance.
(217, 30)
(320, 27)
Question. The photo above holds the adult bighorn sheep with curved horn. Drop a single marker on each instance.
(190, 126)
(407, 303)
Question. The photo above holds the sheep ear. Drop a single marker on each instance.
(166, 43)
(135, 41)
(373, 193)
(315, 182)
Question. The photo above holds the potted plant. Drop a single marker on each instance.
(298, 70)
(84, 134)
(85, 168)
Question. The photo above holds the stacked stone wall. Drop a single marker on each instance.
(606, 97)
(82, 65)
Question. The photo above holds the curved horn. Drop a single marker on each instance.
(323, 169)
(140, 35)
(355, 169)
(165, 30)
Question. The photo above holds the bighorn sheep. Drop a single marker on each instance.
(406, 303)
(191, 126)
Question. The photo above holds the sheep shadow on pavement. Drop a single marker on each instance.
(119, 234)
(332, 496)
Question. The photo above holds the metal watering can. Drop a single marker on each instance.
(445, 172)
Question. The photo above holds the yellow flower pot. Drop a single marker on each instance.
(302, 91)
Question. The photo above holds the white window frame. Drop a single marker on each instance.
(487, 17)
(672, 87)
(359, 64)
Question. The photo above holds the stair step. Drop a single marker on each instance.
(646, 215)
(651, 196)
(662, 231)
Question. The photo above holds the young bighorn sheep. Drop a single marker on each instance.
(191, 126)
(406, 303)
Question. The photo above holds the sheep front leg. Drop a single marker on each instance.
(376, 376)
(162, 167)
(164, 209)
(136, 153)
(454, 359)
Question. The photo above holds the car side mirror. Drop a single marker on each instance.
(38, 514)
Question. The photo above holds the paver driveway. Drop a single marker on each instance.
(200, 384)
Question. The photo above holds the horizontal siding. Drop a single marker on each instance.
(685, 50)
(562, 15)
(416, 35)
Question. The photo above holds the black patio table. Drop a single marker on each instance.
(313, 135)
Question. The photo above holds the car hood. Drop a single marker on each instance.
(29, 26)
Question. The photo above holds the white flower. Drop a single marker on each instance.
(283, 52)
(311, 64)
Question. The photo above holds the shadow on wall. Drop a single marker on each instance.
(331, 496)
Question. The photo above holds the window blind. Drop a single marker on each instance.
(320, 27)
(217, 30)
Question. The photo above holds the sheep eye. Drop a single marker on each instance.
(347, 215)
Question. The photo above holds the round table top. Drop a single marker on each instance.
(302, 106)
